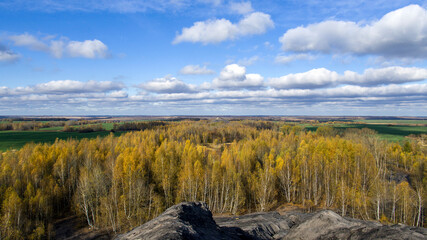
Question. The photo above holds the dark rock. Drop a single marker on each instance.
(329, 225)
(187, 220)
(194, 221)
(269, 225)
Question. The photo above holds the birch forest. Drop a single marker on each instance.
(235, 167)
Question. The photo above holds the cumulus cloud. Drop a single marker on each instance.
(241, 7)
(401, 34)
(167, 84)
(7, 55)
(285, 59)
(219, 30)
(85, 49)
(195, 70)
(234, 76)
(315, 78)
(321, 78)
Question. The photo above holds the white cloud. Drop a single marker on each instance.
(388, 75)
(118, 94)
(6, 55)
(255, 23)
(285, 59)
(367, 96)
(241, 7)
(87, 49)
(219, 30)
(57, 48)
(392, 90)
(234, 76)
(315, 78)
(400, 33)
(4, 91)
(72, 86)
(195, 70)
(67, 97)
(29, 41)
(63, 96)
(321, 78)
(167, 84)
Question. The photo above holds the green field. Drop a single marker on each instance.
(49, 129)
(394, 121)
(17, 139)
(387, 132)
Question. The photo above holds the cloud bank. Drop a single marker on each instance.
(322, 78)
(392, 88)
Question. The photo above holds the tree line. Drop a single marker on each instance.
(236, 167)
(34, 125)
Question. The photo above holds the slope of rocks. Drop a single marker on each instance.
(191, 220)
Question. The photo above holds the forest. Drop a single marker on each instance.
(120, 182)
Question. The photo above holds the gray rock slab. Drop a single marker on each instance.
(193, 220)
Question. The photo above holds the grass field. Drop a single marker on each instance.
(17, 139)
(394, 121)
(386, 132)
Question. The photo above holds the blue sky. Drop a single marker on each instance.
(213, 57)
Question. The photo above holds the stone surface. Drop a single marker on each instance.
(191, 220)
(327, 224)
(269, 225)
(187, 220)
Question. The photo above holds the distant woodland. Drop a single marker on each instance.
(235, 167)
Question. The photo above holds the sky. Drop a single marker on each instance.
(213, 57)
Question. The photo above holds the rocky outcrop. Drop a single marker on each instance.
(329, 225)
(194, 221)
(269, 225)
(187, 220)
